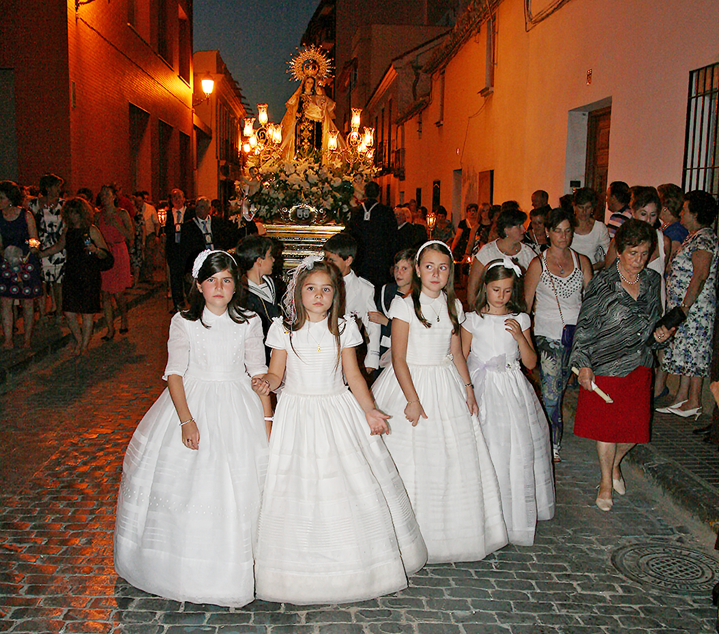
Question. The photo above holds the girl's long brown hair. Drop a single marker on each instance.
(338, 301)
(448, 290)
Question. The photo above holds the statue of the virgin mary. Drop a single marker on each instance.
(309, 120)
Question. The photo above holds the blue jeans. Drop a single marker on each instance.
(554, 374)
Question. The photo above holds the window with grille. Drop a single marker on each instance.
(701, 155)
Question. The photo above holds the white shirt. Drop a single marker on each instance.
(490, 251)
(359, 302)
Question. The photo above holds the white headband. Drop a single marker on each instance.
(426, 244)
(200, 260)
(507, 263)
(288, 301)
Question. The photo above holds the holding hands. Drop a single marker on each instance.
(414, 411)
(261, 385)
(377, 422)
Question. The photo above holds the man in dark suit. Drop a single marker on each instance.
(405, 230)
(205, 231)
(177, 215)
(374, 227)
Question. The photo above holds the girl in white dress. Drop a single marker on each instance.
(336, 524)
(435, 438)
(496, 337)
(192, 476)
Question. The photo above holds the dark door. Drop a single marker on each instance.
(598, 155)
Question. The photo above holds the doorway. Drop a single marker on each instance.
(595, 176)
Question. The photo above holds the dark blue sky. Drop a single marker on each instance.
(256, 39)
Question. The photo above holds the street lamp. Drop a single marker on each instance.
(208, 87)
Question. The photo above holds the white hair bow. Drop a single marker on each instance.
(507, 263)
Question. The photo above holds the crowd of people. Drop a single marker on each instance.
(68, 258)
(324, 436)
(323, 443)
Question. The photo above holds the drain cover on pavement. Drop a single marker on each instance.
(674, 569)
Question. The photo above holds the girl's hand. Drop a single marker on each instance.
(377, 422)
(586, 378)
(377, 318)
(413, 412)
(513, 328)
(261, 385)
(191, 435)
(472, 402)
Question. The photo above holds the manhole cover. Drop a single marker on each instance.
(674, 569)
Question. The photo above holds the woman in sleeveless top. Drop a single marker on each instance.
(553, 285)
(19, 262)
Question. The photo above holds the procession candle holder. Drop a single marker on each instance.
(431, 222)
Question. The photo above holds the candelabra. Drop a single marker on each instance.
(360, 146)
(264, 142)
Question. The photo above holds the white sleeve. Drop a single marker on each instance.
(374, 332)
(254, 347)
(178, 347)
(524, 321)
(277, 335)
(604, 238)
(460, 311)
(483, 255)
(350, 336)
(401, 308)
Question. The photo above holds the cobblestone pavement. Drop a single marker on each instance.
(65, 425)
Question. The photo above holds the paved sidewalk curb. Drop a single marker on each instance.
(685, 488)
(26, 358)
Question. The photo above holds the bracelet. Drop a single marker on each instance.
(410, 402)
(189, 420)
(469, 385)
(270, 418)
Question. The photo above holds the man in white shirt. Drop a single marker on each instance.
(341, 250)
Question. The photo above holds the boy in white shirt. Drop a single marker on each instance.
(341, 250)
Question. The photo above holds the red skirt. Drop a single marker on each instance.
(625, 420)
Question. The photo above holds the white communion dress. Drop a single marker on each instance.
(444, 461)
(514, 425)
(336, 524)
(187, 520)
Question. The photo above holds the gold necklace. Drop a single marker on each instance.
(433, 310)
(309, 332)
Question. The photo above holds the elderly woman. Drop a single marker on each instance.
(691, 285)
(644, 205)
(554, 285)
(510, 227)
(620, 309)
(19, 263)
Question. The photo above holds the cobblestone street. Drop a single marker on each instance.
(66, 423)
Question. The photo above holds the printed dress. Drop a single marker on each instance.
(336, 524)
(513, 424)
(187, 520)
(690, 349)
(444, 461)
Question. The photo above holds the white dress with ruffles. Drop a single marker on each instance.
(336, 524)
(513, 423)
(444, 461)
(186, 521)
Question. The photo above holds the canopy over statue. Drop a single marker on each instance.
(309, 120)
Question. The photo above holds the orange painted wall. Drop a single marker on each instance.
(108, 64)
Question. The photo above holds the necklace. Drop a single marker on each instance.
(559, 264)
(433, 310)
(309, 332)
(624, 279)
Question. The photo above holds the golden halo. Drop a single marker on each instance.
(310, 62)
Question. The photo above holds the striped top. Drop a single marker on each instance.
(613, 327)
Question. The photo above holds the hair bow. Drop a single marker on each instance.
(200, 260)
(507, 263)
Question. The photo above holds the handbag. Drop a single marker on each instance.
(672, 319)
(567, 329)
(106, 263)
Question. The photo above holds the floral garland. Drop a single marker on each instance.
(306, 182)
